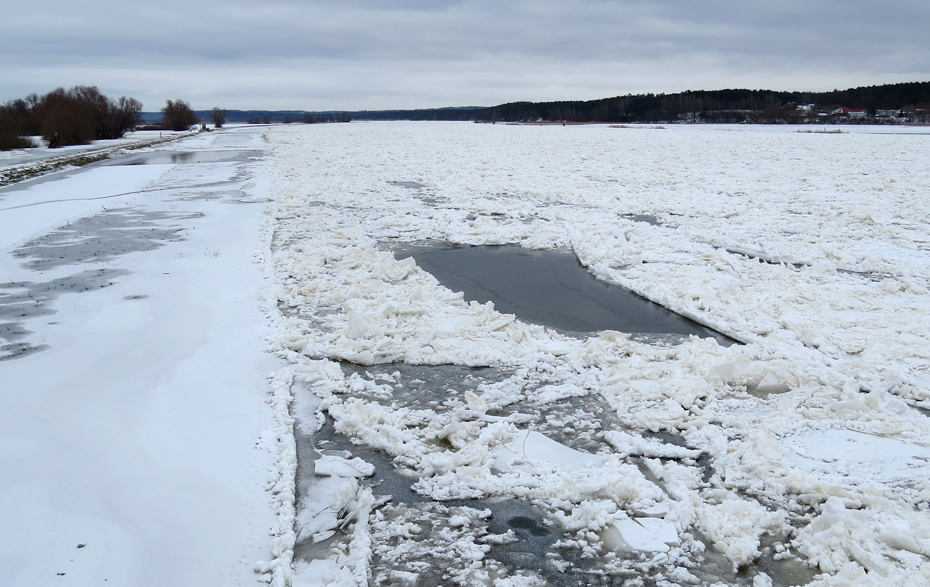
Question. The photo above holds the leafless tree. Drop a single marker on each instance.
(219, 117)
(178, 115)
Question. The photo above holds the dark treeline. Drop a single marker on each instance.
(66, 117)
(462, 113)
(300, 116)
(907, 102)
(896, 102)
(157, 119)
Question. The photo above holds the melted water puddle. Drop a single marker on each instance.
(186, 157)
(98, 239)
(550, 288)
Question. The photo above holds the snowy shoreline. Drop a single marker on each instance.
(135, 373)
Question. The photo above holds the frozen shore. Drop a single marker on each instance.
(133, 374)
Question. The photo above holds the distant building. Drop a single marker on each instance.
(851, 112)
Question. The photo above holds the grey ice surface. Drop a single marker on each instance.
(97, 239)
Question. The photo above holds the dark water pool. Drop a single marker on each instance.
(550, 288)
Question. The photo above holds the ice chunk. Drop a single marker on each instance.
(645, 534)
(758, 377)
(632, 444)
(771, 384)
(332, 499)
(849, 456)
(323, 572)
(534, 445)
(338, 467)
(658, 510)
(556, 347)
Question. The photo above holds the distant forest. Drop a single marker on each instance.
(906, 102)
(895, 103)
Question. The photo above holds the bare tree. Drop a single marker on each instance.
(178, 115)
(219, 117)
(126, 114)
(14, 124)
(78, 116)
(66, 119)
(18, 121)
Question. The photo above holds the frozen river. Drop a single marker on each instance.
(798, 457)
(219, 365)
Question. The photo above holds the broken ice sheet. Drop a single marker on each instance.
(535, 446)
(850, 457)
(643, 534)
(335, 466)
(334, 502)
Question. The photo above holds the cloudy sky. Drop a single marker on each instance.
(378, 54)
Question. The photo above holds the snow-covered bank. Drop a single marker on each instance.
(812, 248)
(131, 432)
(39, 152)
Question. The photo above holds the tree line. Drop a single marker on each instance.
(84, 114)
(906, 100)
(66, 117)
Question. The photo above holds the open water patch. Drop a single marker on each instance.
(186, 157)
(644, 218)
(550, 288)
(762, 259)
(410, 185)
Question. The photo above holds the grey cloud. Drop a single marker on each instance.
(357, 43)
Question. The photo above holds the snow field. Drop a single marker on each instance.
(810, 248)
(131, 445)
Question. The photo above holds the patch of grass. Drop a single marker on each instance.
(836, 131)
(82, 160)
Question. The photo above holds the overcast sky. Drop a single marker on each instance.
(379, 54)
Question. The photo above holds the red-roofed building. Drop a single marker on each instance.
(851, 112)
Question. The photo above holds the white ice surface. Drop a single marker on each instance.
(535, 447)
(843, 455)
(136, 433)
(648, 534)
(811, 248)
